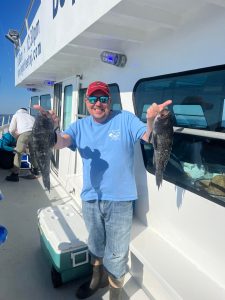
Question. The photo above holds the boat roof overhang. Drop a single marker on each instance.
(128, 24)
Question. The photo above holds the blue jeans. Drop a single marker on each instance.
(109, 226)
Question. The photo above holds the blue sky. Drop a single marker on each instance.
(12, 14)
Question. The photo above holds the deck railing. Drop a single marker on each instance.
(31, 11)
(3, 129)
(4, 124)
(5, 119)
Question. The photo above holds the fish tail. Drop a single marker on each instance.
(159, 179)
(46, 182)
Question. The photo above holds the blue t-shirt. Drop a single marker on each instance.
(107, 151)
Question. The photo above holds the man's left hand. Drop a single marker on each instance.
(154, 109)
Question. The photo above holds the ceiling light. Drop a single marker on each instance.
(112, 58)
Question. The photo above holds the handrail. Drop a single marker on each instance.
(199, 132)
(25, 22)
(3, 120)
(3, 129)
(26, 17)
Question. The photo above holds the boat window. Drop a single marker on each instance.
(57, 103)
(223, 116)
(190, 116)
(82, 111)
(115, 95)
(67, 106)
(34, 100)
(45, 101)
(197, 161)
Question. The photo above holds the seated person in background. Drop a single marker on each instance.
(21, 128)
(7, 142)
(7, 145)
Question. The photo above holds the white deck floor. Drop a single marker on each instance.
(25, 273)
(24, 270)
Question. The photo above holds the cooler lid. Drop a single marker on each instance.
(63, 227)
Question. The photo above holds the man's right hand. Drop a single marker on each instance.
(62, 140)
(54, 117)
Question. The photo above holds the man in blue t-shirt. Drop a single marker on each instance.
(106, 140)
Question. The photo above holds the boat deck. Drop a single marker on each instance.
(25, 273)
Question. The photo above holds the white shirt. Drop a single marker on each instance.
(21, 122)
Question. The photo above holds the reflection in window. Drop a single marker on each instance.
(189, 116)
(197, 162)
(67, 106)
(45, 101)
(223, 115)
(34, 100)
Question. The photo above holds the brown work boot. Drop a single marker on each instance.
(98, 280)
(115, 288)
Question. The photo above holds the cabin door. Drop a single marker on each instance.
(57, 104)
(68, 164)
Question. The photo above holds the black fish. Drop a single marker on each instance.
(41, 143)
(162, 140)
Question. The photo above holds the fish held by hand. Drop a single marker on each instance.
(162, 140)
(42, 142)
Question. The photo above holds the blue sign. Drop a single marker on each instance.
(56, 5)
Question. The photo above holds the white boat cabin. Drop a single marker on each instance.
(168, 50)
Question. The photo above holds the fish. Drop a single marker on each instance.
(41, 143)
(162, 141)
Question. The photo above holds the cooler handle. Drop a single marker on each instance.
(73, 257)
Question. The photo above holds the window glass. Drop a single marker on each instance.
(82, 111)
(115, 96)
(189, 115)
(45, 101)
(67, 106)
(57, 103)
(34, 100)
(223, 115)
(197, 161)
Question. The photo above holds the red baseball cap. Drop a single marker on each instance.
(97, 86)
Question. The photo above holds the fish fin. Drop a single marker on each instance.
(159, 179)
(154, 141)
(46, 182)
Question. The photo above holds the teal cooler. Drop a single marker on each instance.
(63, 238)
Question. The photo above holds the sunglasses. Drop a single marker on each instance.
(94, 99)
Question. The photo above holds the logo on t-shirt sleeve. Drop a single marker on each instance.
(114, 135)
